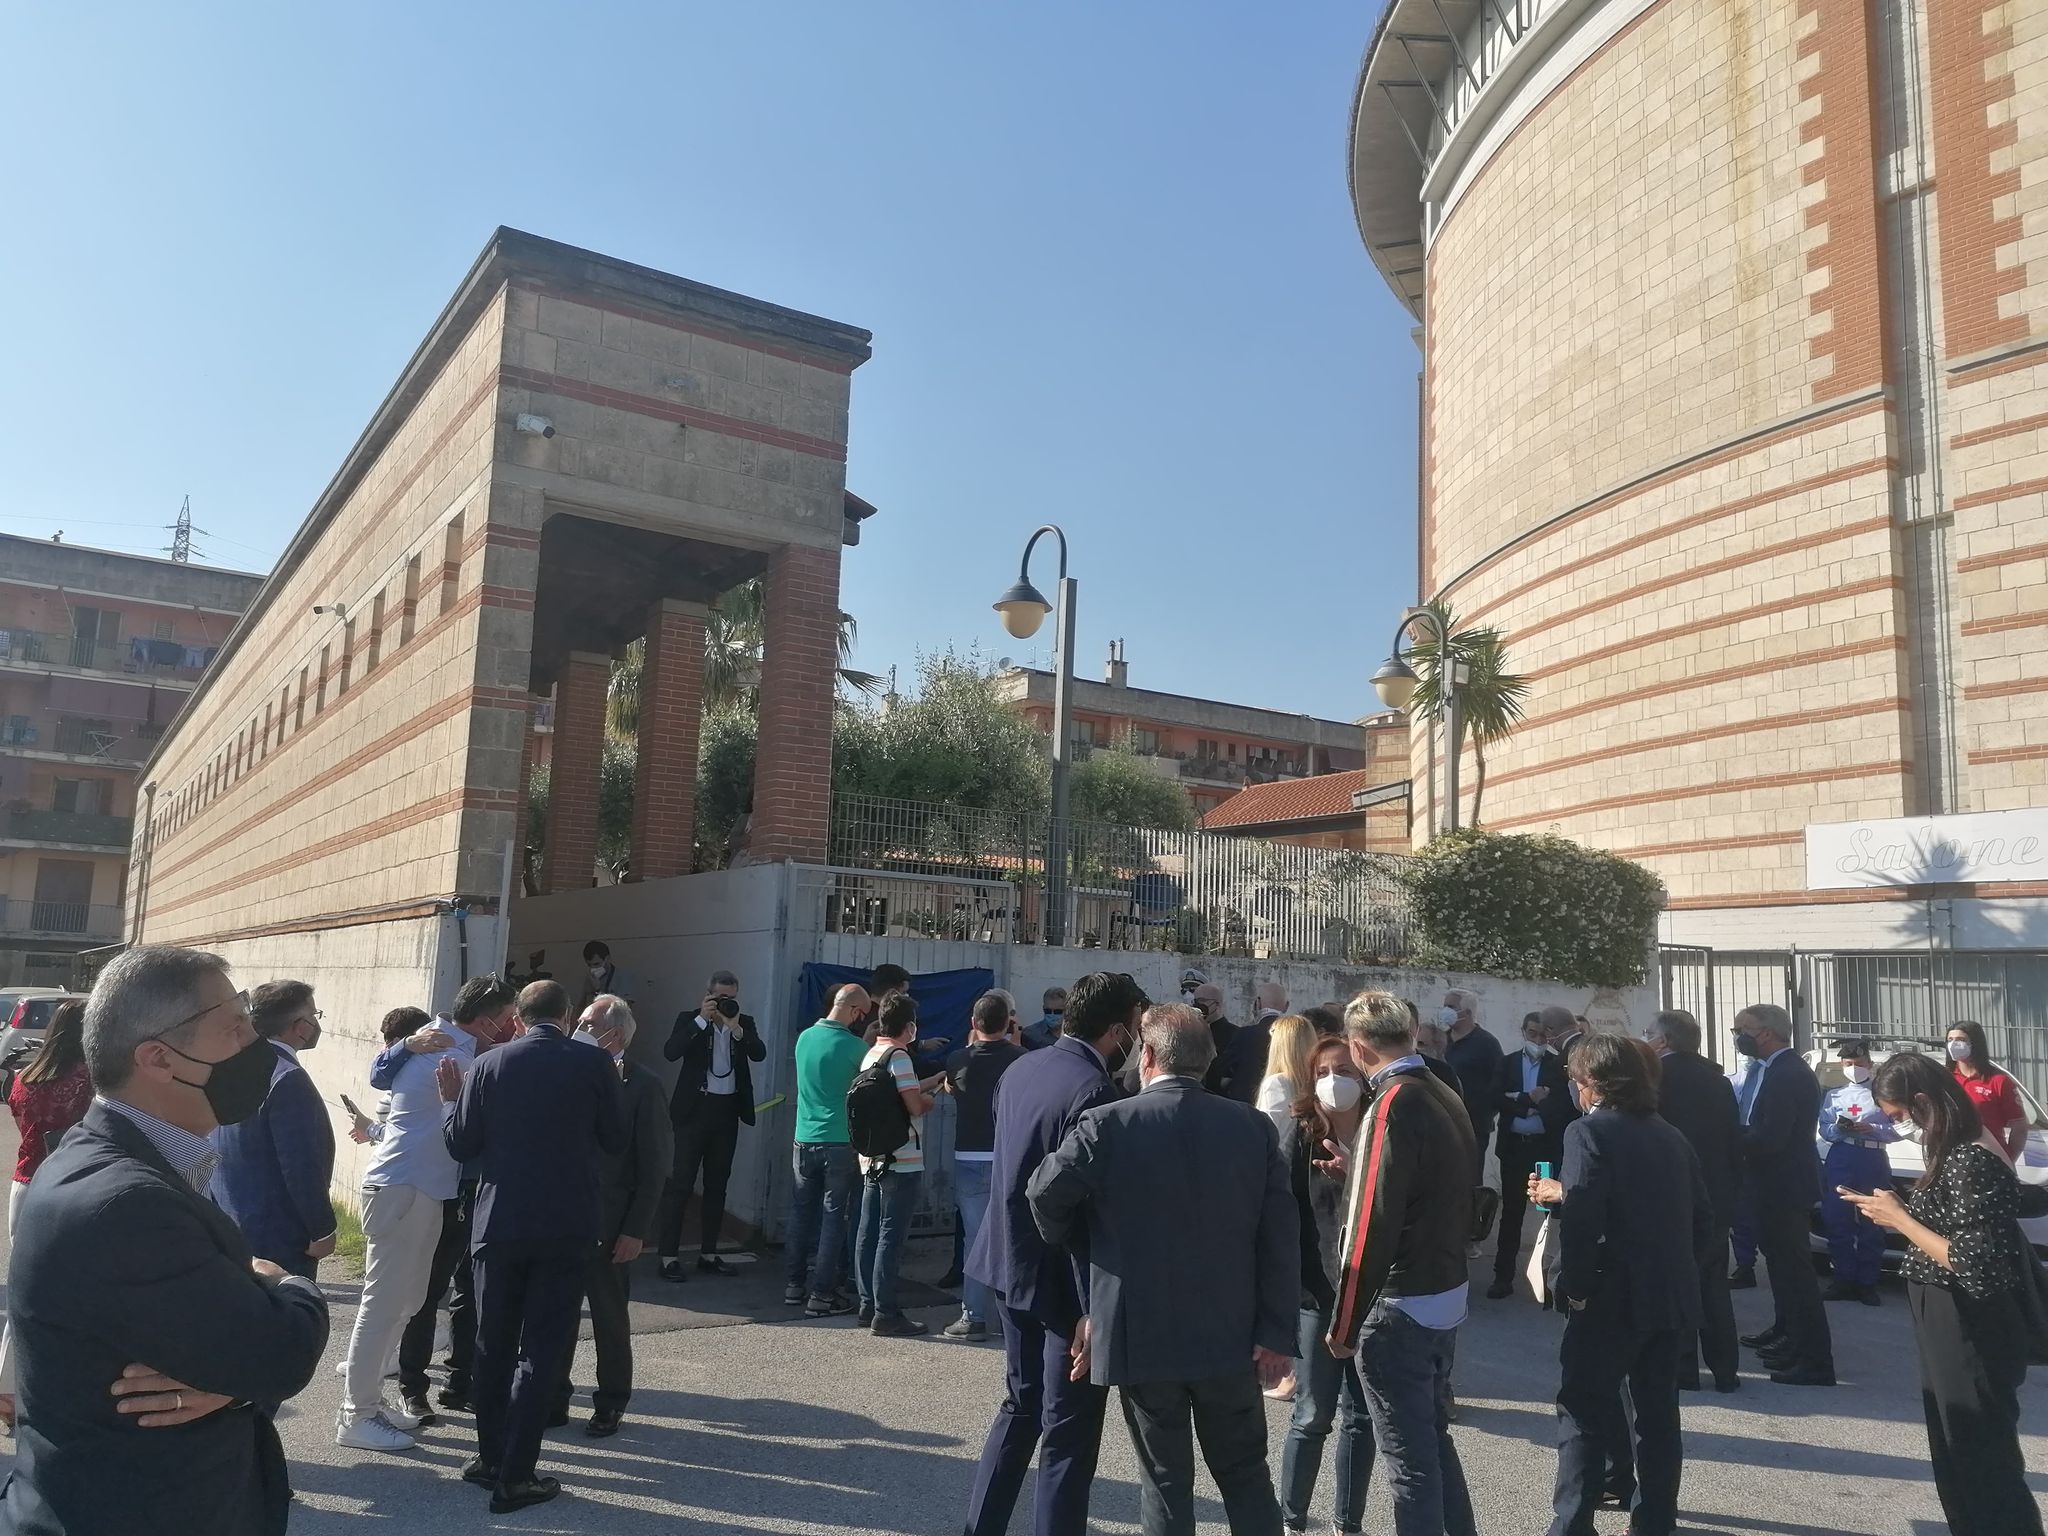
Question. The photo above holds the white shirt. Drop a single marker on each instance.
(719, 1079)
(1443, 1309)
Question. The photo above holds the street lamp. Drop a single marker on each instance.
(1023, 609)
(1395, 683)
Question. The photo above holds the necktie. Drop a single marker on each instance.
(1747, 1096)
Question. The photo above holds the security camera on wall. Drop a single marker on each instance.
(534, 426)
(339, 610)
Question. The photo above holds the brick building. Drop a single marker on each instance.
(1211, 749)
(1734, 396)
(581, 452)
(98, 651)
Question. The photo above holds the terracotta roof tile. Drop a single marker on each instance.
(1311, 799)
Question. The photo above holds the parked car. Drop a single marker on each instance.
(1907, 1160)
(28, 1010)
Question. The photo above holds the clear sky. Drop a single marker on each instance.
(1105, 250)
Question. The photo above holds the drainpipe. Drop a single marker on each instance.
(136, 896)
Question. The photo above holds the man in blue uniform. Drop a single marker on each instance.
(1856, 1132)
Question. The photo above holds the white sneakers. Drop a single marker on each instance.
(377, 1432)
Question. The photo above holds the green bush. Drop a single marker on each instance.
(1536, 908)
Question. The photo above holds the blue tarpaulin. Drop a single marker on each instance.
(945, 999)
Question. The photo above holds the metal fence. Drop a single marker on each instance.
(1127, 887)
(1714, 985)
(1918, 996)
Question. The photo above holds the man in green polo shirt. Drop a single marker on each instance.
(816, 1237)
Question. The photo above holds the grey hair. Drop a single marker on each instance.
(1678, 1029)
(1178, 1038)
(143, 992)
(1769, 1016)
(1462, 1001)
(1558, 1022)
(723, 979)
(1380, 1019)
(1053, 995)
(618, 1010)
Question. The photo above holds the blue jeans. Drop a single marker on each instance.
(1406, 1369)
(1328, 1391)
(1855, 1243)
(817, 1243)
(885, 1207)
(970, 1194)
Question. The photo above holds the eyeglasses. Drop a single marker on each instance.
(241, 1004)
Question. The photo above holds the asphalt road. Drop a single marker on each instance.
(746, 1419)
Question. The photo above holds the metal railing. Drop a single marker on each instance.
(1919, 995)
(140, 655)
(90, 830)
(99, 738)
(1141, 887)
(61, 919)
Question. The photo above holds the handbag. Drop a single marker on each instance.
(1485, 1207)
(1540, 1260)
(2032, 1296)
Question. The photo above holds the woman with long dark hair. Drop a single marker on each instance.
(50, 1095)
(1991, 1088)
(1963, 1271)
(1329, 1391)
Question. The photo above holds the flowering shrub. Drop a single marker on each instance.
(1538, 908)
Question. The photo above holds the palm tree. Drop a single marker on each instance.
(1491, 700)
(732, 659)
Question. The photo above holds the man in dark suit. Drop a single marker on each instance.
(1041, 1287)
(538, 1116)
(632, 1183)
(276, 1166)
(151, 1349)
(1634, 1228)
(1171, 1183)
(714, 1097)
(1534, 1105)
(1699, 1104)
(1781, 1173)
(1207, 999)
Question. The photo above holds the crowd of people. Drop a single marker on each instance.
(1328, 1176)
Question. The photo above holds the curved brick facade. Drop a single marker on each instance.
(1683, 443)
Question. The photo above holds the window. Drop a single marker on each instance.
(299, 716)
(263, 748)
(16, 731)
(1233, 751)
(1144, 739)
(83, 797)
(376, 634)
(94, 634)
(412, 600)
(348, 655)
(164, 629)
(1084, 732)
(1204, 748)
(451, 563)
(320, 687)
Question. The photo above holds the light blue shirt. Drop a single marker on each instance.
(1530, 1124)
(192, 1156)
(1854, 1101)
(412, 1151)
(1442, 1309)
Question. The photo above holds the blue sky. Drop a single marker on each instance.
(1105, 250)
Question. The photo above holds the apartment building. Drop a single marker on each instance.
(98, 652)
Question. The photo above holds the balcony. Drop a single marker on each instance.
(59, 920)
(156, 661)
(68, 829)
(1212, 770)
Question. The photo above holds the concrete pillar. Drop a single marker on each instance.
(578, 762)
(671, 707)
(799, 668)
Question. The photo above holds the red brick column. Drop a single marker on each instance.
(799, 666)
(671, 707)
(573, 780)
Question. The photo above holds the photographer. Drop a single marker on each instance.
(714, 1097)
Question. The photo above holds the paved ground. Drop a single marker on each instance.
(749, 1421)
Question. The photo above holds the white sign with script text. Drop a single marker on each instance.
(1981, 849)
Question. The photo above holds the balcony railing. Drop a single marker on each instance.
(76, 827)
(137, 657)
(59, 919)
(103, 739)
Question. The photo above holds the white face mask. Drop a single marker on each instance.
(1338, 1092)
(597, 973)
(1856, 1072)
(1446, 1017)
(586, 1037)
(1959, 1050)
(1533, 1049)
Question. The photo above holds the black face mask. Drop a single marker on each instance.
(239, 1083)
(1746, 1045)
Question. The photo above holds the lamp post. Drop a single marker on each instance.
(1395, 683)
(1023, 609)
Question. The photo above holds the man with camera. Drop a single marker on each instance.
(714, 1097)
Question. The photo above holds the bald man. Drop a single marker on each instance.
(822, 1198)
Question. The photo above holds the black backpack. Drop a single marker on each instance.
(876, 1121)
